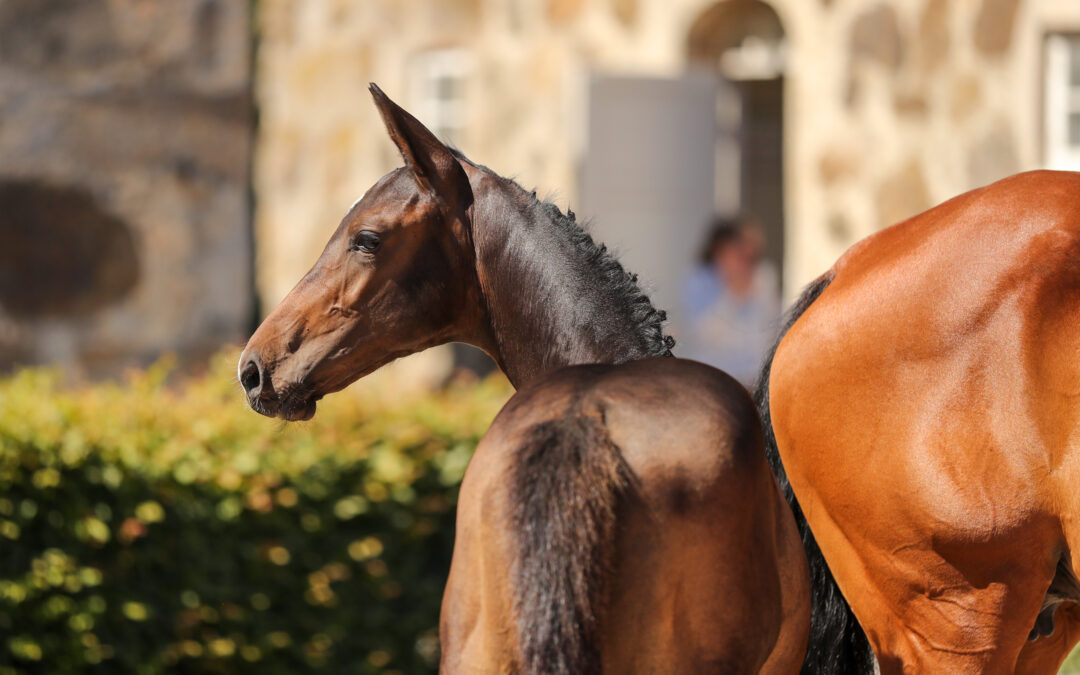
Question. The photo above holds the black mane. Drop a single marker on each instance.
(634, 303)
(585, 308)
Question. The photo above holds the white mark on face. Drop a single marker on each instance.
(357, 200)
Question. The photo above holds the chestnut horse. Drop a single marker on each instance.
(616, 518)
(926, 404)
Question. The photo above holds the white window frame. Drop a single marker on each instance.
(446, 116)
(1061, 101)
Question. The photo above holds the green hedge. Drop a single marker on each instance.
(152, 527)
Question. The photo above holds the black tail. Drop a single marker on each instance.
(568, 476)
(838, 645)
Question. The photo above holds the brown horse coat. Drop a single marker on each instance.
(704, 571)
(926, 408)
(617, 518)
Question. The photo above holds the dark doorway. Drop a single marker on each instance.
(742, 43)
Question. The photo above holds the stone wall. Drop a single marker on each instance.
(125, 137)
(906, 104)
(126, 134)
(890, 105)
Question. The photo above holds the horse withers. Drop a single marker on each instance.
(616, 518)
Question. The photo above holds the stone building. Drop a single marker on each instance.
(125, 145)
(828, 119)
(126, 135)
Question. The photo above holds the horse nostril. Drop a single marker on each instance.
(251, 377)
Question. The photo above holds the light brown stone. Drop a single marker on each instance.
(626, 11)
(994, 26)
(836, 165)
(563, 11)
(965, 97)
(727, 24)
(903, 194)
(126, 133)
(852, 88)
(934, 35)
(839, 228)
(910, 104)
(875, 36)
(453, 13)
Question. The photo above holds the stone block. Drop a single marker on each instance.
(994, 26)
(876, 36)
(934, 35)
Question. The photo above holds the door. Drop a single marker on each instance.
(647, 178)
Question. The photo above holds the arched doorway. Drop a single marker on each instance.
(742, 42)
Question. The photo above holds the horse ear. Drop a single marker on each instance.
(432, 164)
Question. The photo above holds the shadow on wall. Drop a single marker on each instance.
(60, 254)
(125, 205)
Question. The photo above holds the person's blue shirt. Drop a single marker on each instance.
(728, 332)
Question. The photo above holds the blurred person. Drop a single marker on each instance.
(732, 301)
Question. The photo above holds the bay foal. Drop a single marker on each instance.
(926, 405)
(616, 518)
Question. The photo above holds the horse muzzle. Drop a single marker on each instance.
(294, 404)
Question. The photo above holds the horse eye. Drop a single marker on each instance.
(366, 241)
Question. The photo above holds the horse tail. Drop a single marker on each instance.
(568, 476)
(838, 645)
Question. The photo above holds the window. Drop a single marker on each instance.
(437, 91)
(1061, 124)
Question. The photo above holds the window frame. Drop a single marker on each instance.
(1061, 101)
(445, 115)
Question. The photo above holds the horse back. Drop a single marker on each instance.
(677, 424)
(704, 564)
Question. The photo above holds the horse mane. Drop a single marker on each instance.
(634, 302)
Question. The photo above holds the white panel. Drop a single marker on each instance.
(647, 179)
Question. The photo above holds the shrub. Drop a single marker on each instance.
(148, 528)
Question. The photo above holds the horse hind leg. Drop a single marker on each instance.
(1064, 587)
(942, 606)
(1057, 627)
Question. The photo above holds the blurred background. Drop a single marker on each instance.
(168, 170)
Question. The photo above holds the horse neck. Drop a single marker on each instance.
(553, 298)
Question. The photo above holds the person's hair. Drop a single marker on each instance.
(723, 231)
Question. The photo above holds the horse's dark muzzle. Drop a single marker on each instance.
(293, 404)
